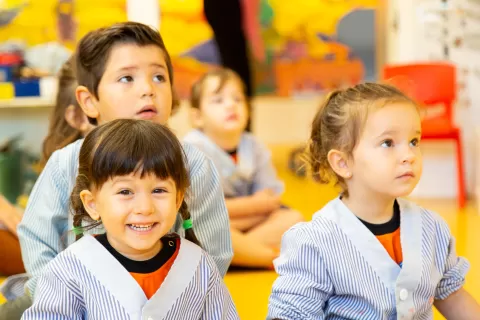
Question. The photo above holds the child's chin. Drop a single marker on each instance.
(403, 193)
(233, 127)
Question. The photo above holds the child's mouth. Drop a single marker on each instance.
(147, 112)
(141, 227)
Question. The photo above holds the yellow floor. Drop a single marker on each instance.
(250, 291)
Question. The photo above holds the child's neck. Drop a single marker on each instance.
(136, 255)
(227, 141)
(372, 209)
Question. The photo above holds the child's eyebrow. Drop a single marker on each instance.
(157, 65)
(131, 68)
(392, 132)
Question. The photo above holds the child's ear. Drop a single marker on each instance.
(89, 204)
(87, 102)
(196, 118)
(339, 162)
(180, 198)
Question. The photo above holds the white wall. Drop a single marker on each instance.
(407, 42)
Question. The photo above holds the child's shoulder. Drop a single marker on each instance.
(430, 219)
(194, 156)
(194, 136)
(249, 138)
(64, 161)
(65, 265)
(206, 266)
(322, 225)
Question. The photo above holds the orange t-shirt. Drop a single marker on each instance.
(150, 282)
(388, 234)
(151, 273)
(233, 154)
(391, 243)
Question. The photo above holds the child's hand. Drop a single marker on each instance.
(268, 199)
(9, 215)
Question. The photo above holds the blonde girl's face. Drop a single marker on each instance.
(387, 159)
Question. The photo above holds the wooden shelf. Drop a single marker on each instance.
(27, 102)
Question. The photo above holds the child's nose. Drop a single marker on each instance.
(147, 88)
(144, 205)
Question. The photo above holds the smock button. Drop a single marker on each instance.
(403, 294)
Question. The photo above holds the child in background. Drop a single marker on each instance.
(123, 71)
(369, 254)
(68, 123)
(132, 180)
(250, 185)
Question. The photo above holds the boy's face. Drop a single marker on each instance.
(135, 85)
(224, 111)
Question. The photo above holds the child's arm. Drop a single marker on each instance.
(206, 203)
(450, 297)
(303, 286)
(265, 176)
(10, 216)
(459, 306)
(46, 217)
(262, 202)
(218, 302)
(54, 299)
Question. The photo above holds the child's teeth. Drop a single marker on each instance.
(141, 228)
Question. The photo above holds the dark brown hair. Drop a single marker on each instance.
(93, 52)
(60, 133)
(224, 74)
(124, 146)
(339, 123)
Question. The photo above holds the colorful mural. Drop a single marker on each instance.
(307, 46)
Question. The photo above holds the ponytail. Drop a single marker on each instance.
(187, 224)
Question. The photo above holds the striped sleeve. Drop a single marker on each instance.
(455, 269)
(55, 300)
(45, 219)
(208, 210)
(218, 302)
(303, 285)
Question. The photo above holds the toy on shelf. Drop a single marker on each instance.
(16, 79)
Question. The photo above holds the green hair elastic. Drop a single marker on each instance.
(77, 230)
(187, 224)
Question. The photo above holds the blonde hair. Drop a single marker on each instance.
(339, 123)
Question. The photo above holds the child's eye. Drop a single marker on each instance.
(126, 79)
(387, 143)
(415, 142)
(159, 78)
(217, 100)
(238, 99)
(159, 190)
(125, 192)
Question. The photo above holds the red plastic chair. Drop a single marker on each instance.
(431, 85)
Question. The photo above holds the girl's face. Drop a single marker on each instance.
(387, 160)
(135, 211)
